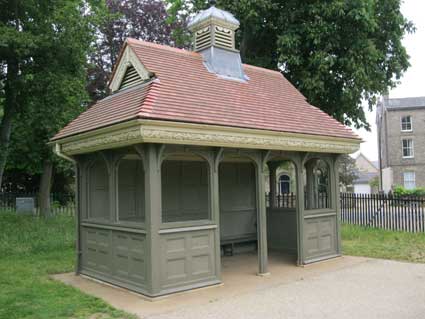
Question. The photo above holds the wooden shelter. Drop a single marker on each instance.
(171, 166)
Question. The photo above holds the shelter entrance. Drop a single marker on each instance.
(238, 207)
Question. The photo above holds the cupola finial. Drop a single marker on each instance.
(214, 37)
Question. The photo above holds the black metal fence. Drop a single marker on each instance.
(60, 204)
(288, 200)
(384, 211)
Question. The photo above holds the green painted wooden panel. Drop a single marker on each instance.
(131, 193)
(238, 213)
(282, 229)
(319, 237)
(113, 255)
(185, 191)
(187, 258)
(98, 191)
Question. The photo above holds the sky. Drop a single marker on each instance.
(412, 83)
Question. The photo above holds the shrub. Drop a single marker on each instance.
(400, 191)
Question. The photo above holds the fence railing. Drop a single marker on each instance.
(289, 200)
(60, 204)
(384, 211)
(374, 210)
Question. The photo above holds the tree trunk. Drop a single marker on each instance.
(45, 187)
(10, 106)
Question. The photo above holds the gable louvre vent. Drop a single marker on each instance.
(131, 78)
(223, 37)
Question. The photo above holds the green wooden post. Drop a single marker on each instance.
(78, 184)
(215, 206)
(336, 201)
(153, 217)
(300, 209)
(261, 219)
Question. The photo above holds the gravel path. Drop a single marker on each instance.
(373, 289)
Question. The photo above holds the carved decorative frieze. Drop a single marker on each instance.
(104, 141)
(248, 141)
(207, 137)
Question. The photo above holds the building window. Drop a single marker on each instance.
(406, 123)
(407, 148)
(409, 180)
(284, 184)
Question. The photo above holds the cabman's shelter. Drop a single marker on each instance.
(172, 166)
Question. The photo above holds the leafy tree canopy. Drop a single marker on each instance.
(348, 171)
(43, 59)
(141, 19)
(337, 52)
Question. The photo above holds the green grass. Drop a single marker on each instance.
(30, 250)
(379, 243)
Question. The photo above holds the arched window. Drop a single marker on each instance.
(284, 184)
(317, 184)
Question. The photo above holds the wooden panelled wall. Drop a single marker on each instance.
(151, 216)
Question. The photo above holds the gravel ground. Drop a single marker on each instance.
(373, 289)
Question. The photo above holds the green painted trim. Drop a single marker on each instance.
(319, 215)
(113, 227)
(186, 229)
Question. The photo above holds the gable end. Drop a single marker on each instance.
(128, 72)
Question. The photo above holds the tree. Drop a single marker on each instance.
(43, 50)
(141, 19)
(347, 170)
(337, 53)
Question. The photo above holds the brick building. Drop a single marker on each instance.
(401, 142)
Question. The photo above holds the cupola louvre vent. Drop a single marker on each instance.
(223, 37)
(130, 78)
(203, 39)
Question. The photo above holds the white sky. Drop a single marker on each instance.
(412, 83)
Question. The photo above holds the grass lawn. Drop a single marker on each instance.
(30, 250)
(379, 243)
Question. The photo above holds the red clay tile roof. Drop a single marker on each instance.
(185, 91)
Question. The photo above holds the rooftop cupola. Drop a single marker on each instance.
(214, 37)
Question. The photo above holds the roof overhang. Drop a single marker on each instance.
(167, 132)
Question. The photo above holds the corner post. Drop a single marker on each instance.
(78, 213)
(336, 201)
(153, 218)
